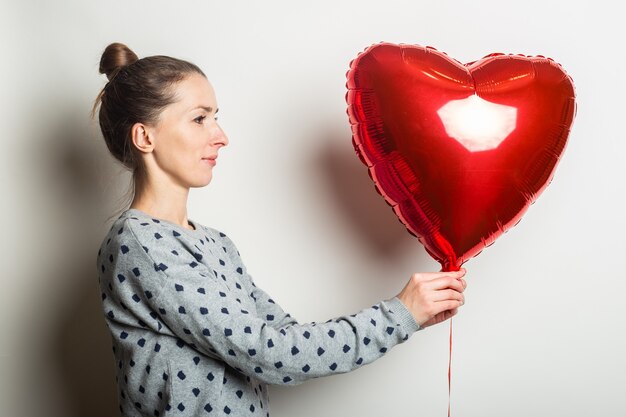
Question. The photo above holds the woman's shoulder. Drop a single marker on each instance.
(139, 227)
(137, 237)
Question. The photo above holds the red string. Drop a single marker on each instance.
(449, 366)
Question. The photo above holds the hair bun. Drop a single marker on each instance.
(114, 57)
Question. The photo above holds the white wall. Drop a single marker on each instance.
(542, 332)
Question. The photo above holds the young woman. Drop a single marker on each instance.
(192, 333)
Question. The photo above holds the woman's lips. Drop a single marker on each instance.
(212, 161)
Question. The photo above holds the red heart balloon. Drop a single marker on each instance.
(460, 151)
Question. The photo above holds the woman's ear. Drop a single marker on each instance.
(140, 137)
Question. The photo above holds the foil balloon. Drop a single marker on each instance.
(460, 151)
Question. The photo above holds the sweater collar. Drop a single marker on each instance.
(198, 232)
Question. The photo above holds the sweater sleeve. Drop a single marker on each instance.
(266, 307)
(186, 299)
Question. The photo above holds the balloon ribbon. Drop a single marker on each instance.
(449, 366)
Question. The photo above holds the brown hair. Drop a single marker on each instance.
(138, 91)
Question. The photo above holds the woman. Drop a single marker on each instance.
(192, 333)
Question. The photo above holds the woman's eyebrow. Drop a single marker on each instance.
(209, 109)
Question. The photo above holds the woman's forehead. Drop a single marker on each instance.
(194, 93)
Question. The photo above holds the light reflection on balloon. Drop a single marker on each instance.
(476, 123)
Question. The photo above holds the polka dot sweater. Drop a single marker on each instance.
(193, 335)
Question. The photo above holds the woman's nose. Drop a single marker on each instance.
(220, 137)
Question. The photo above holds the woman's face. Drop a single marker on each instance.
(187, 137)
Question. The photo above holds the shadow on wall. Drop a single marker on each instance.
(382, 238)
(366, 212)
(82, 351)
(78, 357)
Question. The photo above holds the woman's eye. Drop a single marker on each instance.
(199, 119)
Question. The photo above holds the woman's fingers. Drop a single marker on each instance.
(434, 296)
(429, 276)
(445, 282)
(446, 305)
(442, 316)
(445, 295)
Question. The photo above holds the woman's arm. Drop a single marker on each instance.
(192, 303)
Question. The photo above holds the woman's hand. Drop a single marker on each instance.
(433, 297)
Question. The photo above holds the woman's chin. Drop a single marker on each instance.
(202, 182)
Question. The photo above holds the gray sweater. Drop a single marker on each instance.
(193, 335)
